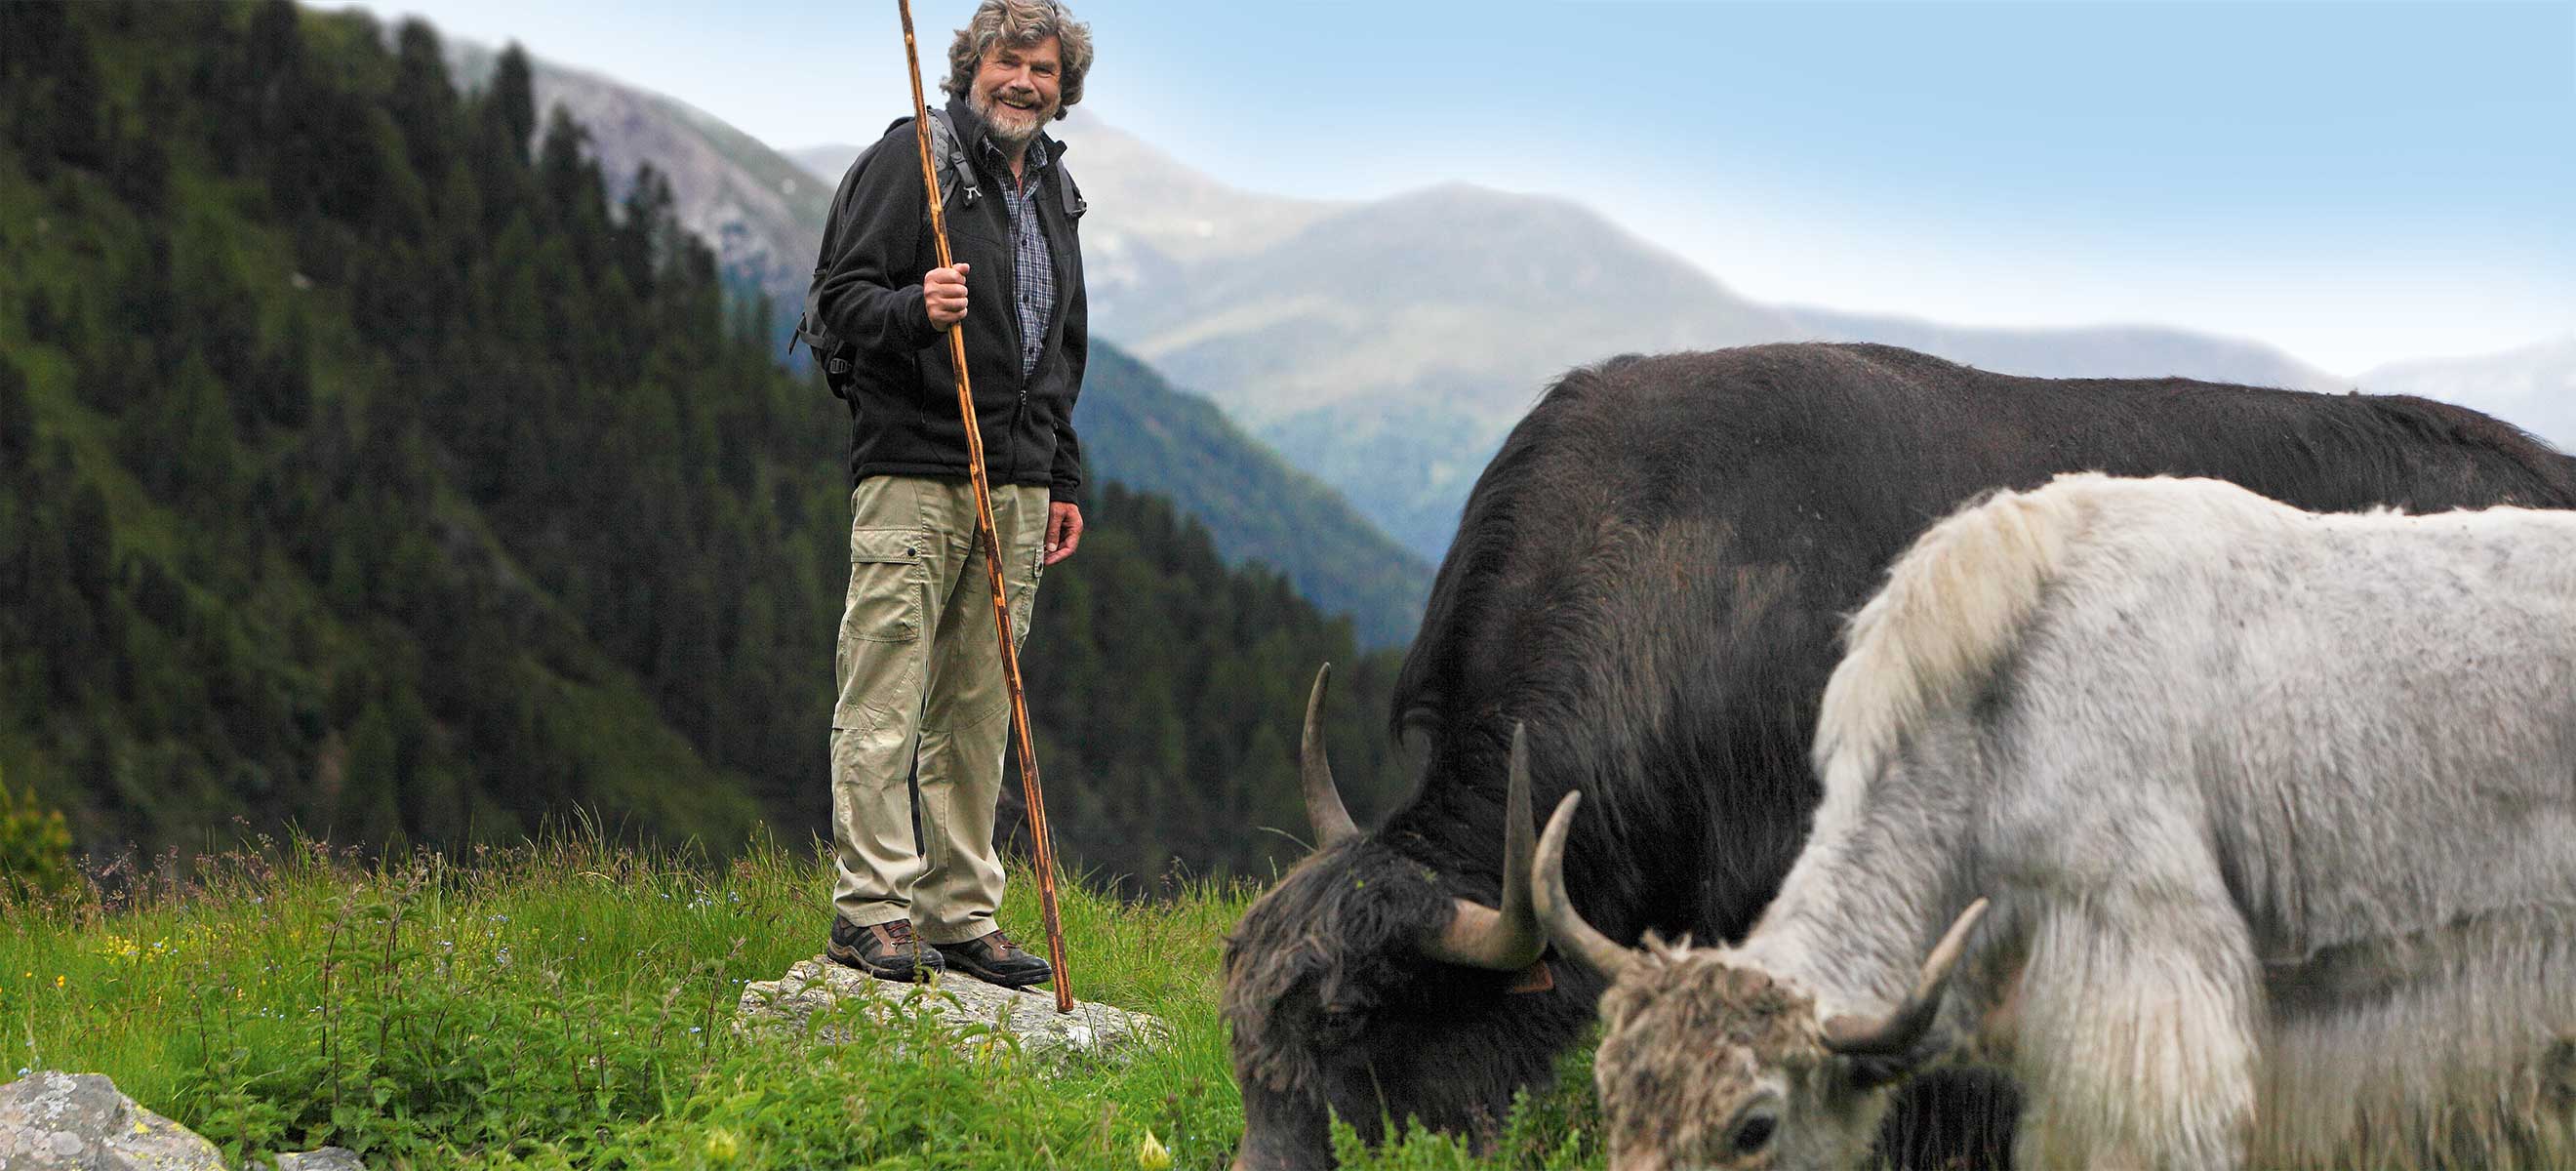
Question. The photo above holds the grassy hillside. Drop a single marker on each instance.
(567, 1005)
(365, 469)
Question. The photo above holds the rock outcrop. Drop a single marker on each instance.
(962, 1004)
(326, 1159)
(80, 1122)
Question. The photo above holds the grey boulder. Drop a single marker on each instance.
(80, 1122)
(975, 1014)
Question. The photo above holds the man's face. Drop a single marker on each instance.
(1017, 89)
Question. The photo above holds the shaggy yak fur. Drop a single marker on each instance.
(2275, 814)
(1651, 575)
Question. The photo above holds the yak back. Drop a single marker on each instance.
(1653, 572)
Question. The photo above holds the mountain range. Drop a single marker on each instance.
(1385, 346)
(763, 215)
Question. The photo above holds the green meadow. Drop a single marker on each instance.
(568, 1003)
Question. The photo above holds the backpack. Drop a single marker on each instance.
(957, 188)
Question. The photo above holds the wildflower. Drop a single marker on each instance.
(1150, 1154)
(722, 1146)
(58, 981)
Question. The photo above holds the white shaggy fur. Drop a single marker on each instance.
(1960, 599)
(2276, 811)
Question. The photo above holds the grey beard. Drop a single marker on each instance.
(988, 110)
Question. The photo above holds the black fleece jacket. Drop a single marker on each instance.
(903, 392)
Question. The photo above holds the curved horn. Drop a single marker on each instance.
(1508, 939)
(1900, 1031)
(1547, 889)
(1333, 824)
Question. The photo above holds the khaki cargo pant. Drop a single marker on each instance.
(923, 707)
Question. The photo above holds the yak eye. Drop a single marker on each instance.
(1754, 1133)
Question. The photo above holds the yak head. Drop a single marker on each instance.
(1708, 1062)
(1371, 986)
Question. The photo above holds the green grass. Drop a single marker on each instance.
(566, 1003)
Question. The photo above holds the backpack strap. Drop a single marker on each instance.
(1068, 196)
(949, 164)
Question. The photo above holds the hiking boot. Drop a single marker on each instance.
(887, 951)
(994, 959)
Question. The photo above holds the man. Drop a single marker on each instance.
(923, 712)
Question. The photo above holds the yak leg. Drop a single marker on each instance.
(2136, 1043)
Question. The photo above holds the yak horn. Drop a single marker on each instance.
(1505, 940)
(1900, 1031)
(1547, 888)
(1333, 824)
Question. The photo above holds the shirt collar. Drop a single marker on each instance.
(1036, 157)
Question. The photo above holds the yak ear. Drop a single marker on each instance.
(1884, 1050)
(1871, 1073)
(1879, 1070)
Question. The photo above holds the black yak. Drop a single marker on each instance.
(1651, 575)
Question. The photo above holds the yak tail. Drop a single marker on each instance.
(1954, 606)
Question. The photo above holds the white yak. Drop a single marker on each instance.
(2270, 817)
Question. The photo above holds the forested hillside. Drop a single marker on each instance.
(365, 469)
(1139, 428)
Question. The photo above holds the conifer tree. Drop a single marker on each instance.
(511, 105)
(423, 101)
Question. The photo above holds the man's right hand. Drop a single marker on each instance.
(943, 295)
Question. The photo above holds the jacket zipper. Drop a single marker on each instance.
(1019, 344)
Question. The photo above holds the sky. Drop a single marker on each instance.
(2354, 183)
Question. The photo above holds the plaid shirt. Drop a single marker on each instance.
(1032, 269)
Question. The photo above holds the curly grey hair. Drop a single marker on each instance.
(1020, 24)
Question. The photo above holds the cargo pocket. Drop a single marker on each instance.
(885, 585)
(1024, 592)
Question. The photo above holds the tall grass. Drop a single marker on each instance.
(568, 1003)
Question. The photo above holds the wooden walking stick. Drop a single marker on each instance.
(992, 542)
